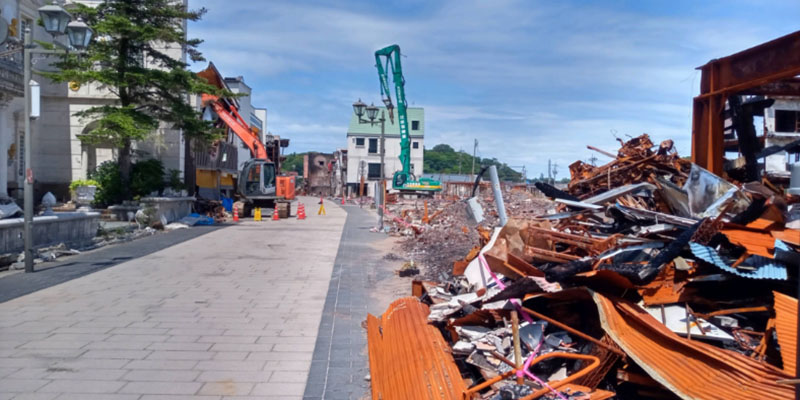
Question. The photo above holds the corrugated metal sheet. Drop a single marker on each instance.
(408, 358)
(760, 243)
(786, 325)
(690, 368)
(765, 268)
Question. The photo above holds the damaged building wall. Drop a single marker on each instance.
(318, 173)
(781, 127)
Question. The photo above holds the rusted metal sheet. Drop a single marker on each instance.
(689, 368)
(786, 325)
(408, 358)
(757, 243)
(760, 65)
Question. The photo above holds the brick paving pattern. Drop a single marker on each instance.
(232, 314)
(340, 362)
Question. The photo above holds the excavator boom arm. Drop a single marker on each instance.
(393, 64)
(238, 126)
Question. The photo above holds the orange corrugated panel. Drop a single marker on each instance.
(756, 243)
(597, 394)
(786, 325)
(791, 236)
(690, 368)
(408, 358)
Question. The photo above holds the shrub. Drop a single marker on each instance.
(82, 182)
(175, 181)
(109, 184)
(147, 176)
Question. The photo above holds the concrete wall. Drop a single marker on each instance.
(73, 229)
(778, 162)
(316, 173)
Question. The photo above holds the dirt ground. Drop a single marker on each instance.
(388, 286)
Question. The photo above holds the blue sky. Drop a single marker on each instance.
(531, 80)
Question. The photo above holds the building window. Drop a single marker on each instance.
(414, 125)
(416, 145)
(787, 121)
(360, 142)
(373, 146)
(374, 171)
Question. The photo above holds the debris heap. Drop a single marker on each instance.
(653, 278)
(438, 232)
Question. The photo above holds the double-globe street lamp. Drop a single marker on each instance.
(372, 112)
(57, 21)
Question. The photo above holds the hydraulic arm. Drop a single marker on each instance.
(238, 126)
(387, 60)
(400, 177)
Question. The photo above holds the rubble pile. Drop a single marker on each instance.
(653, 278)
(436, 239)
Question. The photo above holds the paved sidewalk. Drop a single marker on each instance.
(340, 362)
(48, 274)
(233, 314)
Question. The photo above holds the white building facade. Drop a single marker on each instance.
(781, 127)
(363, 149)
(59, 155)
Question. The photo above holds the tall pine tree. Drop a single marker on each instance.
(127, 57)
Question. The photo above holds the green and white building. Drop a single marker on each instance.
(363, 149)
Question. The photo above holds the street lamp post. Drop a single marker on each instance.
(56, 21)
(372, 112)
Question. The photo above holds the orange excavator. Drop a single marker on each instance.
(258, 183)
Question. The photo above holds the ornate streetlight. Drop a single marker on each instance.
(56, 22)
(372, 112)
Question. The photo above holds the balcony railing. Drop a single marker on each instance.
(220, 155)
(10, 78)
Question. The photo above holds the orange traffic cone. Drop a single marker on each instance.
(275, 213)
(342, 200)
(301, 211)
(235, 214)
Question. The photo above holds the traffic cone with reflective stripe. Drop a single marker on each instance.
(275, 216)
(301, 211)
(235, 214)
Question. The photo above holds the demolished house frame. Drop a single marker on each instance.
(649, 277)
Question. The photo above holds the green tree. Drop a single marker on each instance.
(443, 148)
(443, 159)
(128, 58)
(294, 162)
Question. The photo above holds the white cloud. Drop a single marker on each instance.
(531, 80)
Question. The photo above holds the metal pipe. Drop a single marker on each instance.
(574, 331)
(28, 185)
(594, 363)
(498, 196)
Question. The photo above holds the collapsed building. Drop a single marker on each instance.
(653, 276)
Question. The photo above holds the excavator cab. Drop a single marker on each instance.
(257, 180)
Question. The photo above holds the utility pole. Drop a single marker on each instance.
(383, 176)
(28, 188)
(555, 172)
(460, 151)
(474, 152)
